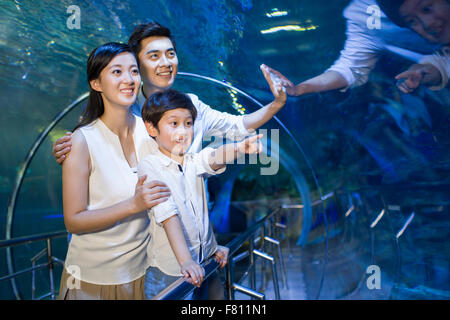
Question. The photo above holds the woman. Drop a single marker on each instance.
(104, 202)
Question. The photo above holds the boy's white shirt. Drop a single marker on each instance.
(188, 200)
(209, 122)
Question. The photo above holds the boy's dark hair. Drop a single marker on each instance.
(160, 102)
(391, 9)
(146, 30)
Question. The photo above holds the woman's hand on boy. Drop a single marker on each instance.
(193, 272)
(221, 256)
(149, 194)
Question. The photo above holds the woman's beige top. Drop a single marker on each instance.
(116, 254)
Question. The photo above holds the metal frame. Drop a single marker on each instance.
(47, 252)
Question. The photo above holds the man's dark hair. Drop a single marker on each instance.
(391, 9)
(160, 102)
(146, 30)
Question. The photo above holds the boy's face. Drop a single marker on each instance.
(429, 18)
(158, 62)
(174, 132)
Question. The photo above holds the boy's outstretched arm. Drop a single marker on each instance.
(227, 153)
(192, 271)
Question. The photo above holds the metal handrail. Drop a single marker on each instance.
(51, 260)
(180, 289)
(33, 238)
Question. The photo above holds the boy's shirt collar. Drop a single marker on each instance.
(165, 160)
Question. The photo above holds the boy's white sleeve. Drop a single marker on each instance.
(440, 60)
(201, 160)
(165, 209)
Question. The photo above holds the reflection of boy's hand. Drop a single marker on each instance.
(409, 80)
(221, 256)
(193, 273)
(284, 81)
(418, 74)
(277, 83)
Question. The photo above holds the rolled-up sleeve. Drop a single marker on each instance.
(360, 53)
(440, 60)
(164, 210)
(201, 160)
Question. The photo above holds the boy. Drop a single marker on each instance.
(182, 236)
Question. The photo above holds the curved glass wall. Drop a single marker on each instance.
(369, 149)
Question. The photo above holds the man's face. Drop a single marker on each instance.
(158, 63)
(429, 18)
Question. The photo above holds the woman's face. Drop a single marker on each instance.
(119, 81)
(159, 63)
(429, 18)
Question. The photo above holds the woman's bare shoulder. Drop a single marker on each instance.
(79, 149)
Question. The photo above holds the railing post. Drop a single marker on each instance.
(252, 264)
(229, 280)
(50, 268)
(263, 262)
(265, 256)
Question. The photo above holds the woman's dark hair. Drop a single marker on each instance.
(160, 102)
(146, 30)
(97, 61)
(391, 9)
